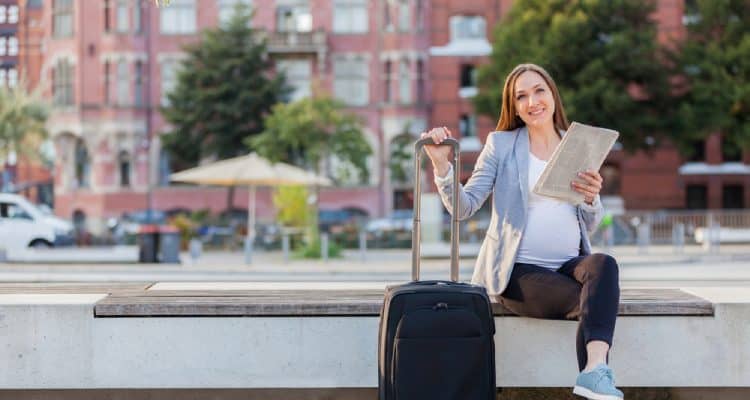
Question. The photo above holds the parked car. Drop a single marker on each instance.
(23, 224)
(399, 220)
(335, 221)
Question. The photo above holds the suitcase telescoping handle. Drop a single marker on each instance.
(416, 230)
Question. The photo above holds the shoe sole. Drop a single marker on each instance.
(582, 391)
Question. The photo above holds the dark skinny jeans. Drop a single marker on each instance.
(584, 288)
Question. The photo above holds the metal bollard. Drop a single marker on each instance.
(363, 246)
(324, 246)
(714, 230)
(644, 237)
(285, 246)
(678, 237)
(196, 248)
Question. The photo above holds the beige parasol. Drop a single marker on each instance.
(251, 170)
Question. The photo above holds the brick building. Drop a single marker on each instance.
(402, 65)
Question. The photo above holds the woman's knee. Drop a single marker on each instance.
(604, 264)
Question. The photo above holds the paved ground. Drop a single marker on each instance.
(659, 266)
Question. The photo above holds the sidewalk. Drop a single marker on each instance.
(660, 266)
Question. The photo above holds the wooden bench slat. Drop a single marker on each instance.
(160, 303)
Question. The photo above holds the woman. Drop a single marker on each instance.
(536, 257)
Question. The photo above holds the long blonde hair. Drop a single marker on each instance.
(508, 118)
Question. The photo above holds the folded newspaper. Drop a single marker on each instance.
(582, 148)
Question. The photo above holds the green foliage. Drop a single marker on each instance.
(224, 90)
(602, 54)
(22, 119)
(307, 132)
(402, 147)
(312, 249)
(713, 64)
(291, 203)
(186, 226)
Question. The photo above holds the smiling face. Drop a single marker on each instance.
(533, 100)
(530, 97)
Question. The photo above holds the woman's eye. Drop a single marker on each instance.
(540, 90)
(520, 97)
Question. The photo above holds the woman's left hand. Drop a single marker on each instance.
(589, 186)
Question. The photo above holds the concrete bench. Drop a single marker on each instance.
(315, 336)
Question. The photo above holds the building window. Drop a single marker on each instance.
(296, 18)
(691, 14)
(227, 9)
(467, 27)
(13, 14)
(297, 74)
(730, 151)
(12, 77)
(178, 18)
(122, 80)
(3, 14)
(62, 18)
(696, 197)
(3, 45)
(82, 164)
(138, 83)
(107, 82)
(419, 14)
(12, 46)
(387, 19)
(62, 83)
(387, 96)
(420, 81)
(168, 79)
(467, 125)
(164, 169)
(107, 18)
(733, 197)
(468, 76)
(350, 16)
(138, 17)
(3, 77)
(404, 16)
(350, 81)
(123, 160)
(697, 151)
(122, 17)
(404, 82)
(611, 175)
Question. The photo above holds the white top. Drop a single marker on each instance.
(552, 235)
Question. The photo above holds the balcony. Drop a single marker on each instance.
(297, 42)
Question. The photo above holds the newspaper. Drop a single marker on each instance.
(582, 148)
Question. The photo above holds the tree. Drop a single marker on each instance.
(603, 56)
(713, 63)
(308, 132)
(223, 92)
(22, 119)
(291, 201)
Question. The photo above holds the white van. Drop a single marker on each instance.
(23, 224)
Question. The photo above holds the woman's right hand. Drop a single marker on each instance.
(438, 154)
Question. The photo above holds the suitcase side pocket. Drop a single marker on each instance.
(440, 354)
(440, 368)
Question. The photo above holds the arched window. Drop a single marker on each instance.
(124, 166)
(82, 164)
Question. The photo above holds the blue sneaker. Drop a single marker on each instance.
(598, 384)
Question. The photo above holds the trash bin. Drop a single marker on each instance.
(148, 243)
(169, 244)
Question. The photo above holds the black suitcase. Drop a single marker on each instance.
(436, 338)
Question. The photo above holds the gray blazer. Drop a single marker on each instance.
(503, 170)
